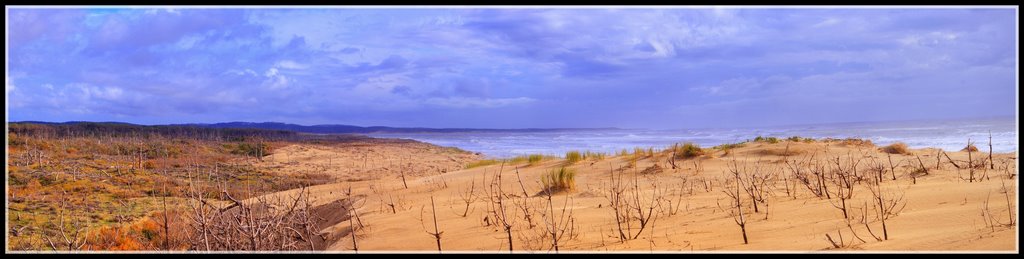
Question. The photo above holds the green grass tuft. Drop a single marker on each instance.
(479, 163)
(770, 140)
(563, 179)
(573, 156)
(594, 155)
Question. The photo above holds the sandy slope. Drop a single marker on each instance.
(368, 159)
(943, 212)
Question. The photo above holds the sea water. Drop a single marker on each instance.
(949, 135)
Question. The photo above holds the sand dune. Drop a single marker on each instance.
(943, 210)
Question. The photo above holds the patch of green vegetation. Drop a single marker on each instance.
(770, 140)
(250, 149)
(688, 150)
(729, 146)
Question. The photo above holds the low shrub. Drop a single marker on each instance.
(688, 150)
(898, 148)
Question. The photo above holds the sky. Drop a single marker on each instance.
(511, 67)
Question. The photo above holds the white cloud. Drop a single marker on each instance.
(188, 42)
(827, 22)
(380, 86)
(289, 64)
(237, 72)
(275, 80)
(108, 93)
(10, 86)
(472, 102)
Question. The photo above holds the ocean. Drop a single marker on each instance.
(949, 135)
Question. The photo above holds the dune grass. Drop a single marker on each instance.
(770, 140)
(639, 152)
(851, 141)
(531, 159)
(572, 157)
(727, 148)
(517, 160)
(622, 152)
(563, 179)
(799, 139)
(484, 162)
(534, 159)
(594, 155)
(898, 148)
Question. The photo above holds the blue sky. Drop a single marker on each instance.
(511, 68)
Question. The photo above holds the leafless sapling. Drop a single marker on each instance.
(887, 204)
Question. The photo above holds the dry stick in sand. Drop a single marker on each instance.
(672, 159)
(923, 169)
(445, 182)
(802, 176)
(877, 167)
(524, 203)
(950, 160)
(991, 163)
(566, 223)
(864, 220)
(616, 201)
(637, 204)
(970, 161)
(402, 170)
(497, 198)
(436, 234)
(986, 213)
(754, 186)
(1009, 207)
(468, 197)
(892, 167)
(841, 244)
(843, 180)
(353, 217)
(886, 206)
(736, 200)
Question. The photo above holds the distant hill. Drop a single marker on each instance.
(321, 129)
(337, 129)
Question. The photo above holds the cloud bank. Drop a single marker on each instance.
(658, 68)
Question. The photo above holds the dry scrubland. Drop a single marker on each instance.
(113, 187)
(370, 194)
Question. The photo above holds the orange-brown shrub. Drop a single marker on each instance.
(898, 148)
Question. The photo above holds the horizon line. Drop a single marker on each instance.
(1015, 117)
